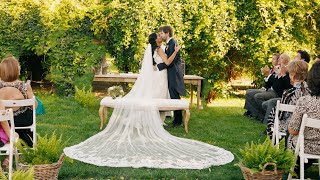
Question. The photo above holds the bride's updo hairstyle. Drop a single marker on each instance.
(152, 40)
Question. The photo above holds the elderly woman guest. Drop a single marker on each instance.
(309, 105)
(298, 71)
(11, 88)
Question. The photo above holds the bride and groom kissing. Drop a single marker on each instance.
(168, 63)
(134, 136)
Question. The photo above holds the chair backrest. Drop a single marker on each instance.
(286, 107)
(299, 149)
(308, 122)
(25, 102)
(280, 107)
(7, 115)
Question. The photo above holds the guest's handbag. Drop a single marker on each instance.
(40, 109)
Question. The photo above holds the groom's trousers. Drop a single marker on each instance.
(178, 113)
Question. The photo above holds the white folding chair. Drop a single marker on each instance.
(276, 135)
(7, 149)
(299, 150)
(25, 102)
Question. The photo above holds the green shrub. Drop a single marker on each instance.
(84, 81)
(222, 89)
(63, 82)
(85, 98)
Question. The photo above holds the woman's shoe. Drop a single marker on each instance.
(5, 164)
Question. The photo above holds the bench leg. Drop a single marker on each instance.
(186, 119)
(103, 113)
(191, 96)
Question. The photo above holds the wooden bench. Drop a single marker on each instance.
(162, 104)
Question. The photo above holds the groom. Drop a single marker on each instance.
(175, 76)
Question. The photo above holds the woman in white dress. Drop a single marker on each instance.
(135, 137)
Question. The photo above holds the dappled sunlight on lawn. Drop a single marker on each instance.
(227, 102)
(58, 126)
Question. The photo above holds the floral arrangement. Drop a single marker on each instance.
(115, 91)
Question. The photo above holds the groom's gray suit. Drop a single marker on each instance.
(175, 78)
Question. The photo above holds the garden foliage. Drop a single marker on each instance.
(219, 39)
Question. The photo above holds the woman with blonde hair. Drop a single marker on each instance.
(11, 88)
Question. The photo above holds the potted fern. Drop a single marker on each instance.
(19, 175)
(46, 157)
(266, 161)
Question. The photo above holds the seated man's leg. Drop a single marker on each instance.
(250, 102)
(260, 98)
(267, 106)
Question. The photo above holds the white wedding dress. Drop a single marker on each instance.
(161, 77)
(135, 137)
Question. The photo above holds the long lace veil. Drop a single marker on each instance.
(135, 137)
(144, 84)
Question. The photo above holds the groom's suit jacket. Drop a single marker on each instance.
(175, 76)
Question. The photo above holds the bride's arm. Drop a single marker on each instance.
(163, 55)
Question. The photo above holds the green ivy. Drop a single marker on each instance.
(219, 39)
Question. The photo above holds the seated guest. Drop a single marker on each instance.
(298, 71)
(268, 105)
(302, 55)
(251, 111)
(11, 88)
(310, 105)
(274, 87)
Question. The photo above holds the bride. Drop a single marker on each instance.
(135, 137)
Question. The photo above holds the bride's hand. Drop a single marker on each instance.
(155, 68)
(177, 47)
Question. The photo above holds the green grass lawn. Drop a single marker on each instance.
(220, 123)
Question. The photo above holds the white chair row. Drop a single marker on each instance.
(306, 122)
(277, 135)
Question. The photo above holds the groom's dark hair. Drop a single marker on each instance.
(166, 29)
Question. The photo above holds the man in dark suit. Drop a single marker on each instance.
(175, 75)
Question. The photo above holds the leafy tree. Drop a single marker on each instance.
(219, 39)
